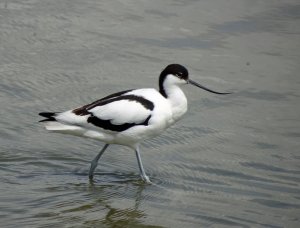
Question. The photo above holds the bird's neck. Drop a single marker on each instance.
(177, 99)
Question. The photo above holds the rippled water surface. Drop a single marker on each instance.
(232, 161)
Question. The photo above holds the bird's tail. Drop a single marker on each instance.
(50, 116)
(52, 124)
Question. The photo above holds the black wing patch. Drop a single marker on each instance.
(107, 125)
(49, 115)
(146, 103)
(82, 111)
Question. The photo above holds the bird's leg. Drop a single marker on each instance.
(94, 163)
(142, 171)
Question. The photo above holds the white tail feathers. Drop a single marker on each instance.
(56, 126)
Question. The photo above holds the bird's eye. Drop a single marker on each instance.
(179, 75)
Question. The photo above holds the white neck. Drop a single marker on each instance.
(177, 100)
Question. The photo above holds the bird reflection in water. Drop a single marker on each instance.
(106, 196)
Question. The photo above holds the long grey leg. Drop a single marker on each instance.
(94, 163)
(142, 171)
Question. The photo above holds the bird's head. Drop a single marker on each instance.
(176, 74)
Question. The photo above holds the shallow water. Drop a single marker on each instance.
(233, 161)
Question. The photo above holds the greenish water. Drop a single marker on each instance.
(232, 161)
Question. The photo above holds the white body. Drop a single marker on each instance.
(166, 112)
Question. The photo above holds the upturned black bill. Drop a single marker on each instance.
(202, 87)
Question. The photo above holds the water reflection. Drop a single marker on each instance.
(130, 216)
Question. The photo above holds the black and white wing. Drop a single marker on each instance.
(117, 112)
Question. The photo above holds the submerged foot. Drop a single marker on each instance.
(146, 179)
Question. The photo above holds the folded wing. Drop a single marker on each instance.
(118, 113)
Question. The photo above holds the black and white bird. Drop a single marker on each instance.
(128, 117)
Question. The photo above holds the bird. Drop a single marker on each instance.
(128, 117)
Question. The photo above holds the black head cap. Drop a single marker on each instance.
(174, 69)
(177, 70)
